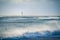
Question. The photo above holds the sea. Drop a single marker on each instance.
(30, 28)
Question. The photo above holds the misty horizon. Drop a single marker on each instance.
(30, 7)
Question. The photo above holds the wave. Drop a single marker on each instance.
(27, 19)
(29, 27)
(43, 34)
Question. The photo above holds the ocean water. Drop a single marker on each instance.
(30, 28)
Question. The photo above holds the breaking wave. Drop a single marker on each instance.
(31, 26)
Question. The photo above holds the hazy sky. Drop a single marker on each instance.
(29, 7)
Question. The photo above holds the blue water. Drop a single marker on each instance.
(26, 28)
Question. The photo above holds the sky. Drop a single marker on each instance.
(30, 7)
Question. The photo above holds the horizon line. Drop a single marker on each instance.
(29, 16)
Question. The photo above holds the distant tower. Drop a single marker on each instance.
(21, 13)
